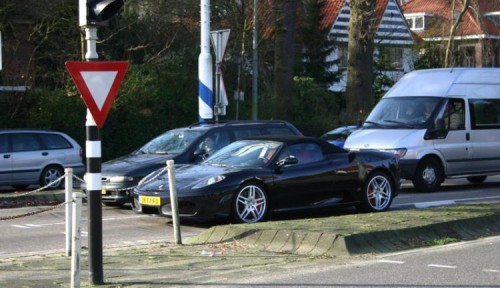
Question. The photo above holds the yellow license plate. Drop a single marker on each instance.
(148, 200)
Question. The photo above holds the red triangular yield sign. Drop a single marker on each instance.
(98, 83)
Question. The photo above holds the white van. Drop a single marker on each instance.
(441, 123)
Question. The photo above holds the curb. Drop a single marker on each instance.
(332, 244)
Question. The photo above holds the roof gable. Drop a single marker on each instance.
(391, 25)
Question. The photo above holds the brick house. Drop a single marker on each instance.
(476, 41)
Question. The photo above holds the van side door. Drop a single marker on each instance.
(456, 146)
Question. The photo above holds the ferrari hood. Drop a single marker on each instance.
(186, 175)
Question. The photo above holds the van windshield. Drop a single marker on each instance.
(402, 112)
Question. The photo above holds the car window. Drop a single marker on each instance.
(214, 141)
(279, 131)
(304, 152)
(55, 141)
(171, 142)
(24, 142)
(4, 145)
(243, 133)
(245, 154)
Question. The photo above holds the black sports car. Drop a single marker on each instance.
(248, 179)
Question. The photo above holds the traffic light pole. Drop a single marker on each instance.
(93, 177)
(93, 13)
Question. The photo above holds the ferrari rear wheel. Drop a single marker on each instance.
(378, 192)
(250, 204)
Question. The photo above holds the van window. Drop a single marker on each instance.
(485, 113)
(454, 117)
(402, 112)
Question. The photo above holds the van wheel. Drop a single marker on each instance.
(476, 179)
(49, 176)
(429, 175)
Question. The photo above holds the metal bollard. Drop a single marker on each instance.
(76, 243)
(173, 201)
(68, 189)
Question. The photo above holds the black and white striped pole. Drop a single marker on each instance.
(93, 177)
(94, 13)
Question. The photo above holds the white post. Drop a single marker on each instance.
(173, 201)
(68, 189)
(76, 243)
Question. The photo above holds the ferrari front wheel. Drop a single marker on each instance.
(250, 204)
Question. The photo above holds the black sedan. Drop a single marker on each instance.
(248, 179)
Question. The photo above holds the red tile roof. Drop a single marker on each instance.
(471, 25)
(333, 7)
(331, 11)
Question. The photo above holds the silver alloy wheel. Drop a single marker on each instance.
(50, 175)
(251, 204)
(379, 192)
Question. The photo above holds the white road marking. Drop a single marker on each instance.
(491, 270)
(442, 266)
(28, 226)
(391, 261)
(20, 226)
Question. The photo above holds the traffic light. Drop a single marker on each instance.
(98, 12)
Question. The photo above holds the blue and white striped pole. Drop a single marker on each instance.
(205, 99)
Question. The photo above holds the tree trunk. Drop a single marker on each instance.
(284, 56)
(449, 46)
(359, 92)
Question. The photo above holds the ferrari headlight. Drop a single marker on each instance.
(209, 181)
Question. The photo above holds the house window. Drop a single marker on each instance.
(416, 22)
(392, 58)
(342, 57)
(467, 56)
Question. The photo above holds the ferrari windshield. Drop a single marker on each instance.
(402, 112)
(245, 154)
(171, 142)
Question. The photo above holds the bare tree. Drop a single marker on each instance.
(453, 29)
(359, 94)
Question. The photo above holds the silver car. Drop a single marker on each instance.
(37, 157)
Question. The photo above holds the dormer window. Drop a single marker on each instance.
(416, 22)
